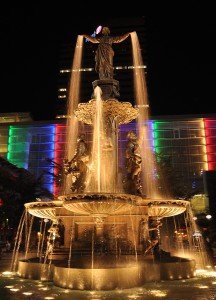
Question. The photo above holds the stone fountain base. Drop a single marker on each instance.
(107, 215)
(108, 278)
(34, 270)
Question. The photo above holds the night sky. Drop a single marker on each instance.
(180, 58)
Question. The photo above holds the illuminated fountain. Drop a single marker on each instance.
(108, 214)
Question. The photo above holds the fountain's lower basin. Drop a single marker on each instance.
(108, 278)
(99, 204)
(105, 204)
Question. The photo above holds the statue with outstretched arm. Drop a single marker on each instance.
(104, 53)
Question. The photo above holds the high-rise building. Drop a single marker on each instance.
(123, 62)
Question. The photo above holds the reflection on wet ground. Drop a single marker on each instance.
(203, 287)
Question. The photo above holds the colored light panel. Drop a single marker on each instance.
(210, 133)
(60, 136)
(18, 146)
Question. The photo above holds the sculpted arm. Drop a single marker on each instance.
(121, 38)
(91, 38)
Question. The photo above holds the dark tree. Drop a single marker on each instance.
(17, 187)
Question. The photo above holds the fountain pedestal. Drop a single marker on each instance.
(105, 133)
(99, 227)
(109, 87)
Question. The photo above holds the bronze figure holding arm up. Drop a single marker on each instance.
(104, 53)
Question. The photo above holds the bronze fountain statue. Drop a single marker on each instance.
(104, 53)
(77, 166)
(133, 165)
(104, 62)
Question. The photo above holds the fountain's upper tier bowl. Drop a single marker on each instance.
(122, 112)
(99, 204)
(104, 204)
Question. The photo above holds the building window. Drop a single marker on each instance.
(176, 133)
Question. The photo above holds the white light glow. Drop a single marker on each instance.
(14, 290)
(8, 273)
(133, 296)
(158, 293)
(92, 69)
(208, 217)
(27, 293)
(205, 273)
(98, 30)
(44, 289)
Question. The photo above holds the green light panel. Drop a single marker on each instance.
(18, 146)
(157, 132)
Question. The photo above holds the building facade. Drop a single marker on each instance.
(188, 141)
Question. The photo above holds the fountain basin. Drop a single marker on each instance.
(177, 270)
(46, 210)
(166, 208)
(159, 208)
(100, 204)
(108, 278)
(104, 204)
(96, 279)
(35, 270)
(123, 112)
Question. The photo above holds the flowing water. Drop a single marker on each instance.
(30, 223)
(102, 173)
(42, 242)
(73, 100)
(18, 240)
(71, 244)
(141, 99)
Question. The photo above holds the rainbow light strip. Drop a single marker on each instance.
(157, 135)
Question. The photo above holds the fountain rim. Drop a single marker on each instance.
(135, 199)
(43, 204)
(100, 197)
(129, 200)
(163, 202)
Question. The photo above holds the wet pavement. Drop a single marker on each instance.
(202, 287)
